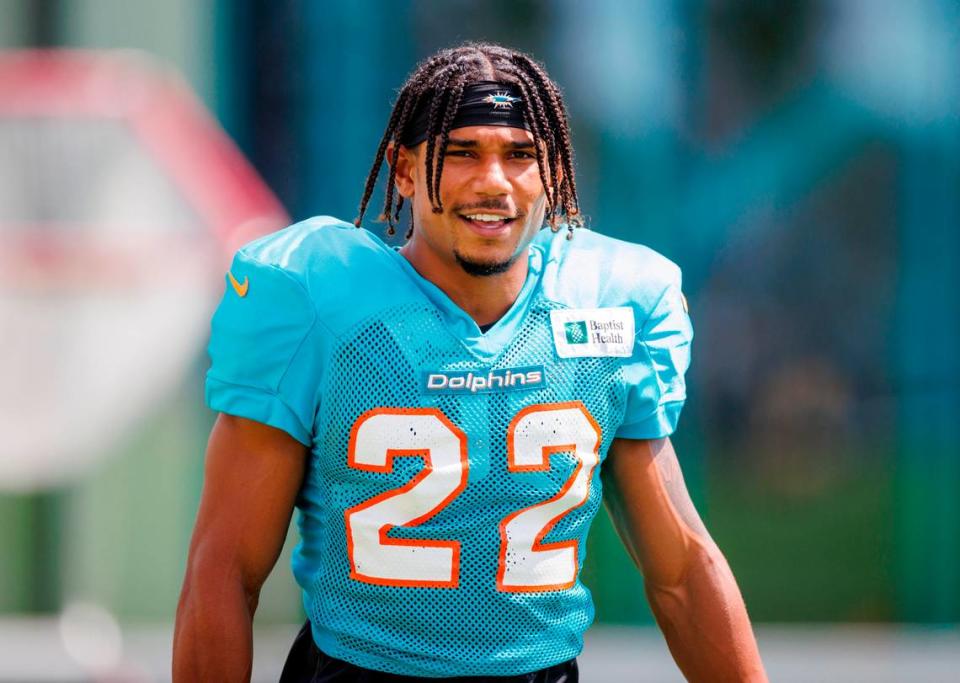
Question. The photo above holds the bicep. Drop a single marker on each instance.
(251, 478)
(647, 499)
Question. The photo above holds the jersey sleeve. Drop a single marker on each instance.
(262, 366)
(656, 389)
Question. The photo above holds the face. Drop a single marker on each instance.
(493, 199)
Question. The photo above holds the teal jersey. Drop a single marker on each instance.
(453, 474)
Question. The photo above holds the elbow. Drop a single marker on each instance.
(702, 579)
(212, 579)
(670, 571)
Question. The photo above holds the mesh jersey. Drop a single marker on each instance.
(454, 474)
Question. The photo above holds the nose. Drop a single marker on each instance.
(492, 179)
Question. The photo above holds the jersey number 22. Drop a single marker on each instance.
(526, 563)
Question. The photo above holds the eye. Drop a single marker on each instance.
(523, 155)
(458, 153)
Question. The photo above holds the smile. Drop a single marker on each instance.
(487, 224)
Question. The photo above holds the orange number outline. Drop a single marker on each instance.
(454, 545)
(512, 466)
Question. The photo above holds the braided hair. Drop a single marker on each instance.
(438, 82)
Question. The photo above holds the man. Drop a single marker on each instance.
(445, 416)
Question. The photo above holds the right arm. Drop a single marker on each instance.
(252, 475)
(689, 585)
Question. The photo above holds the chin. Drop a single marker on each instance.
(484, 266)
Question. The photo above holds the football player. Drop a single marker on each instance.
(447, 417)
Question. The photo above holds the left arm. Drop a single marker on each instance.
(688, 582)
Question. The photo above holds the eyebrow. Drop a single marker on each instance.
(521, 144)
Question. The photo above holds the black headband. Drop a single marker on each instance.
(484, 103)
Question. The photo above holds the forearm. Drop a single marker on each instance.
(241, 525)
(705, 621)
(213, 638)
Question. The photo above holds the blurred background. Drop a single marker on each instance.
(799, 159)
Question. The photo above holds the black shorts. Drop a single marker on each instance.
(307, 664)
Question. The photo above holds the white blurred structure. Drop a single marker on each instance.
(120, 201)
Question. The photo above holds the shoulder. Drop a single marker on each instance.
(594, 270)
(334, 269)
(321, 243)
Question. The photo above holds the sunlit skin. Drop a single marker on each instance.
(490, 170)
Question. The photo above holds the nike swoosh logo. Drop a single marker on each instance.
(240, 289)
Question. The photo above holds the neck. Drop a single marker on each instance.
(485, 298)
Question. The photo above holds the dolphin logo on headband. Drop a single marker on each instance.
(501, 100)
(482, 103)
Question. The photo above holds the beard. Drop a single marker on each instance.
(484, 268)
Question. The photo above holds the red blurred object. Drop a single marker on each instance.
(167, 119)
(121, 200)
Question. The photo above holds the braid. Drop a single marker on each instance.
(558, 115)
(407, 111)
(381, 150)
(441, 79)
(452, 104)
(537, 121)
(442, 93)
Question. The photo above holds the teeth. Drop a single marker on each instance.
(485, 217)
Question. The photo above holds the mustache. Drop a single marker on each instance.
(492, 204)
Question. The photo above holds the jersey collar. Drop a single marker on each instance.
(461, 325)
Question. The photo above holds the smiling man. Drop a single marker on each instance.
(448, 417)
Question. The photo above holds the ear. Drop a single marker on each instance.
(406, 161)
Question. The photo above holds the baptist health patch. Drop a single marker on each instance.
(580, 332)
